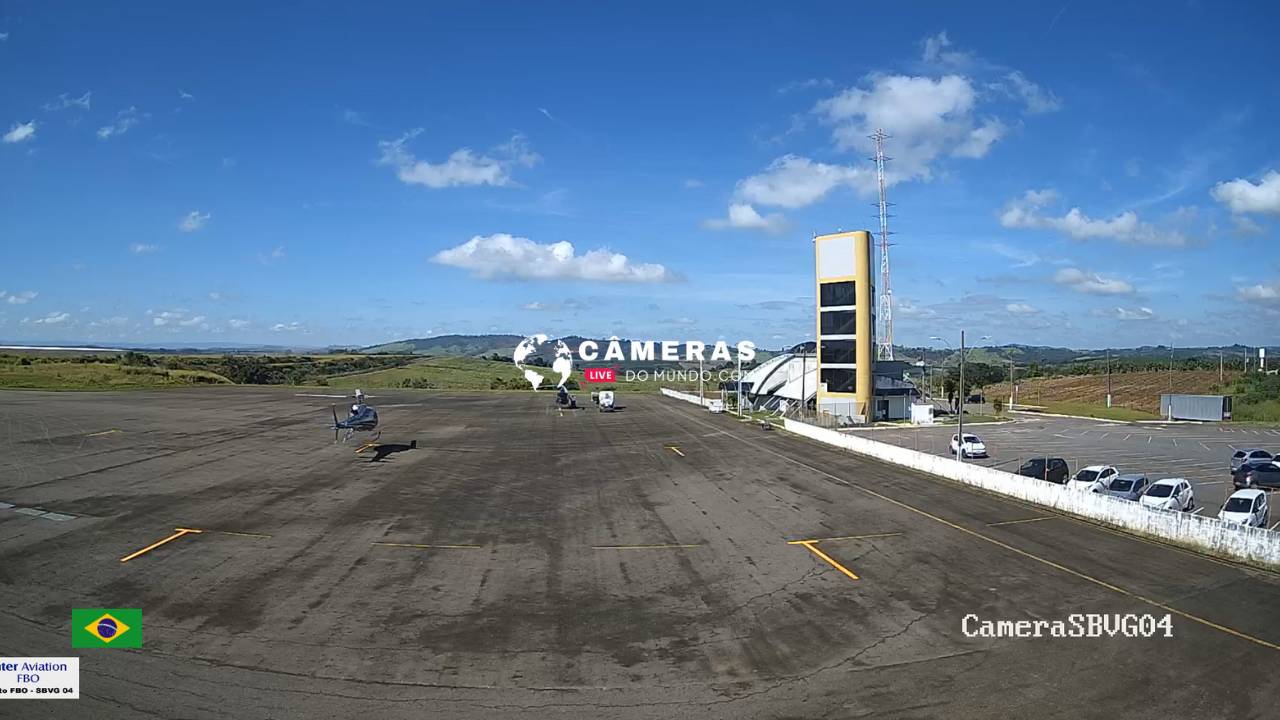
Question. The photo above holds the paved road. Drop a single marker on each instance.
(1199, 452)
(523, 562)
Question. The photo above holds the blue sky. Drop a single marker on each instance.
(1085, 174)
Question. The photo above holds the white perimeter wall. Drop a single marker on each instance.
(1211, 535)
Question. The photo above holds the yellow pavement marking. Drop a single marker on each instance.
(366, 446)
(1029, 555)
(180, 532)
(843, 537)
(814, 549)
(675, 450)
(1024, 520)
(645, 547)
(104, 432)
(429, 547)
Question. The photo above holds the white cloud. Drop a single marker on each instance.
(175, 318)
(938, 50)
(1091, 283)
(903, 307)
(463, 167)
(793, 182)
(926, 118)
(125, 119)
(806, 84)
(1036, 98)
(21, 298)
(1025, 213)
(535, 306)
(53, 318)
(20, 132)
(4, 36)
(743, 216)
(1242, 196)
(238, 324)
(1127, 314)
(692, 183)
(503, 255)
(1020, 258)
(143, 248)
(193, 221)
(1021, 309)
(981, 139)
(184, 95)
(353, 117)
(65, 101)
(290, 327)
(1261, 294)
(271, 257)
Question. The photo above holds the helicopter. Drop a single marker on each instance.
(363, 418)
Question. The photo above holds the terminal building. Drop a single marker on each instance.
(836, 376)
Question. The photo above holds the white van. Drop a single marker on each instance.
(606, 401)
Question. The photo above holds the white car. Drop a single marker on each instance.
(715, 406)
(1169, 494)
(1246, 507)
(973, 445)
(1094, 478)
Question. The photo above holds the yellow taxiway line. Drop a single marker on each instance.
(104, 432)
(645, 547)
(1024, 520)
(429, 547)
(180, 532)
(675, 450)
(814, 549)
(845, 537)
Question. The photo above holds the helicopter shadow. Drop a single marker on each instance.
(382, 451)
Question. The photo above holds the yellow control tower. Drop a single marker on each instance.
(845, 325)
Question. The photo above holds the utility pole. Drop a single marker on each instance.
(804, 372)
(1013, 389)
(739, 384)
(1220, 367)
(884, 339)
(701, 398)
(960, 422)
(1108, 377)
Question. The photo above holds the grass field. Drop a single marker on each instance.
(99, 376)
(445, 373)
(1098, 411)
(1134, 390)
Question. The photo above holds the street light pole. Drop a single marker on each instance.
(701, 398)
(739, 384)
(960, 422)
(1108, 377)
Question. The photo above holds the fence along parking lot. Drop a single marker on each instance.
(1199, 453)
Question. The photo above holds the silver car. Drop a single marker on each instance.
(1248, 455)
(1129, 486)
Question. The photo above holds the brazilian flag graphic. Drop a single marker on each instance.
(106, 627)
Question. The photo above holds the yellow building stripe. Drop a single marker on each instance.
(180, 532)
(814, 549)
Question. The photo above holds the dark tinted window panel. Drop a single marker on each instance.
(838, 380)
(840, 322)
(838, 351)
(837, 293)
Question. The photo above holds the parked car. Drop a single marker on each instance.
(973, 446)
(1094, 478)
(1248, 455)
(1169, 494)
(715, 406)
(1247, 507)
(1053, 470)
(1129, 486)
(1257, 474)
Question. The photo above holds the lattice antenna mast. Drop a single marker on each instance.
(884, 301)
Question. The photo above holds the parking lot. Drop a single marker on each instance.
(1198, 452)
